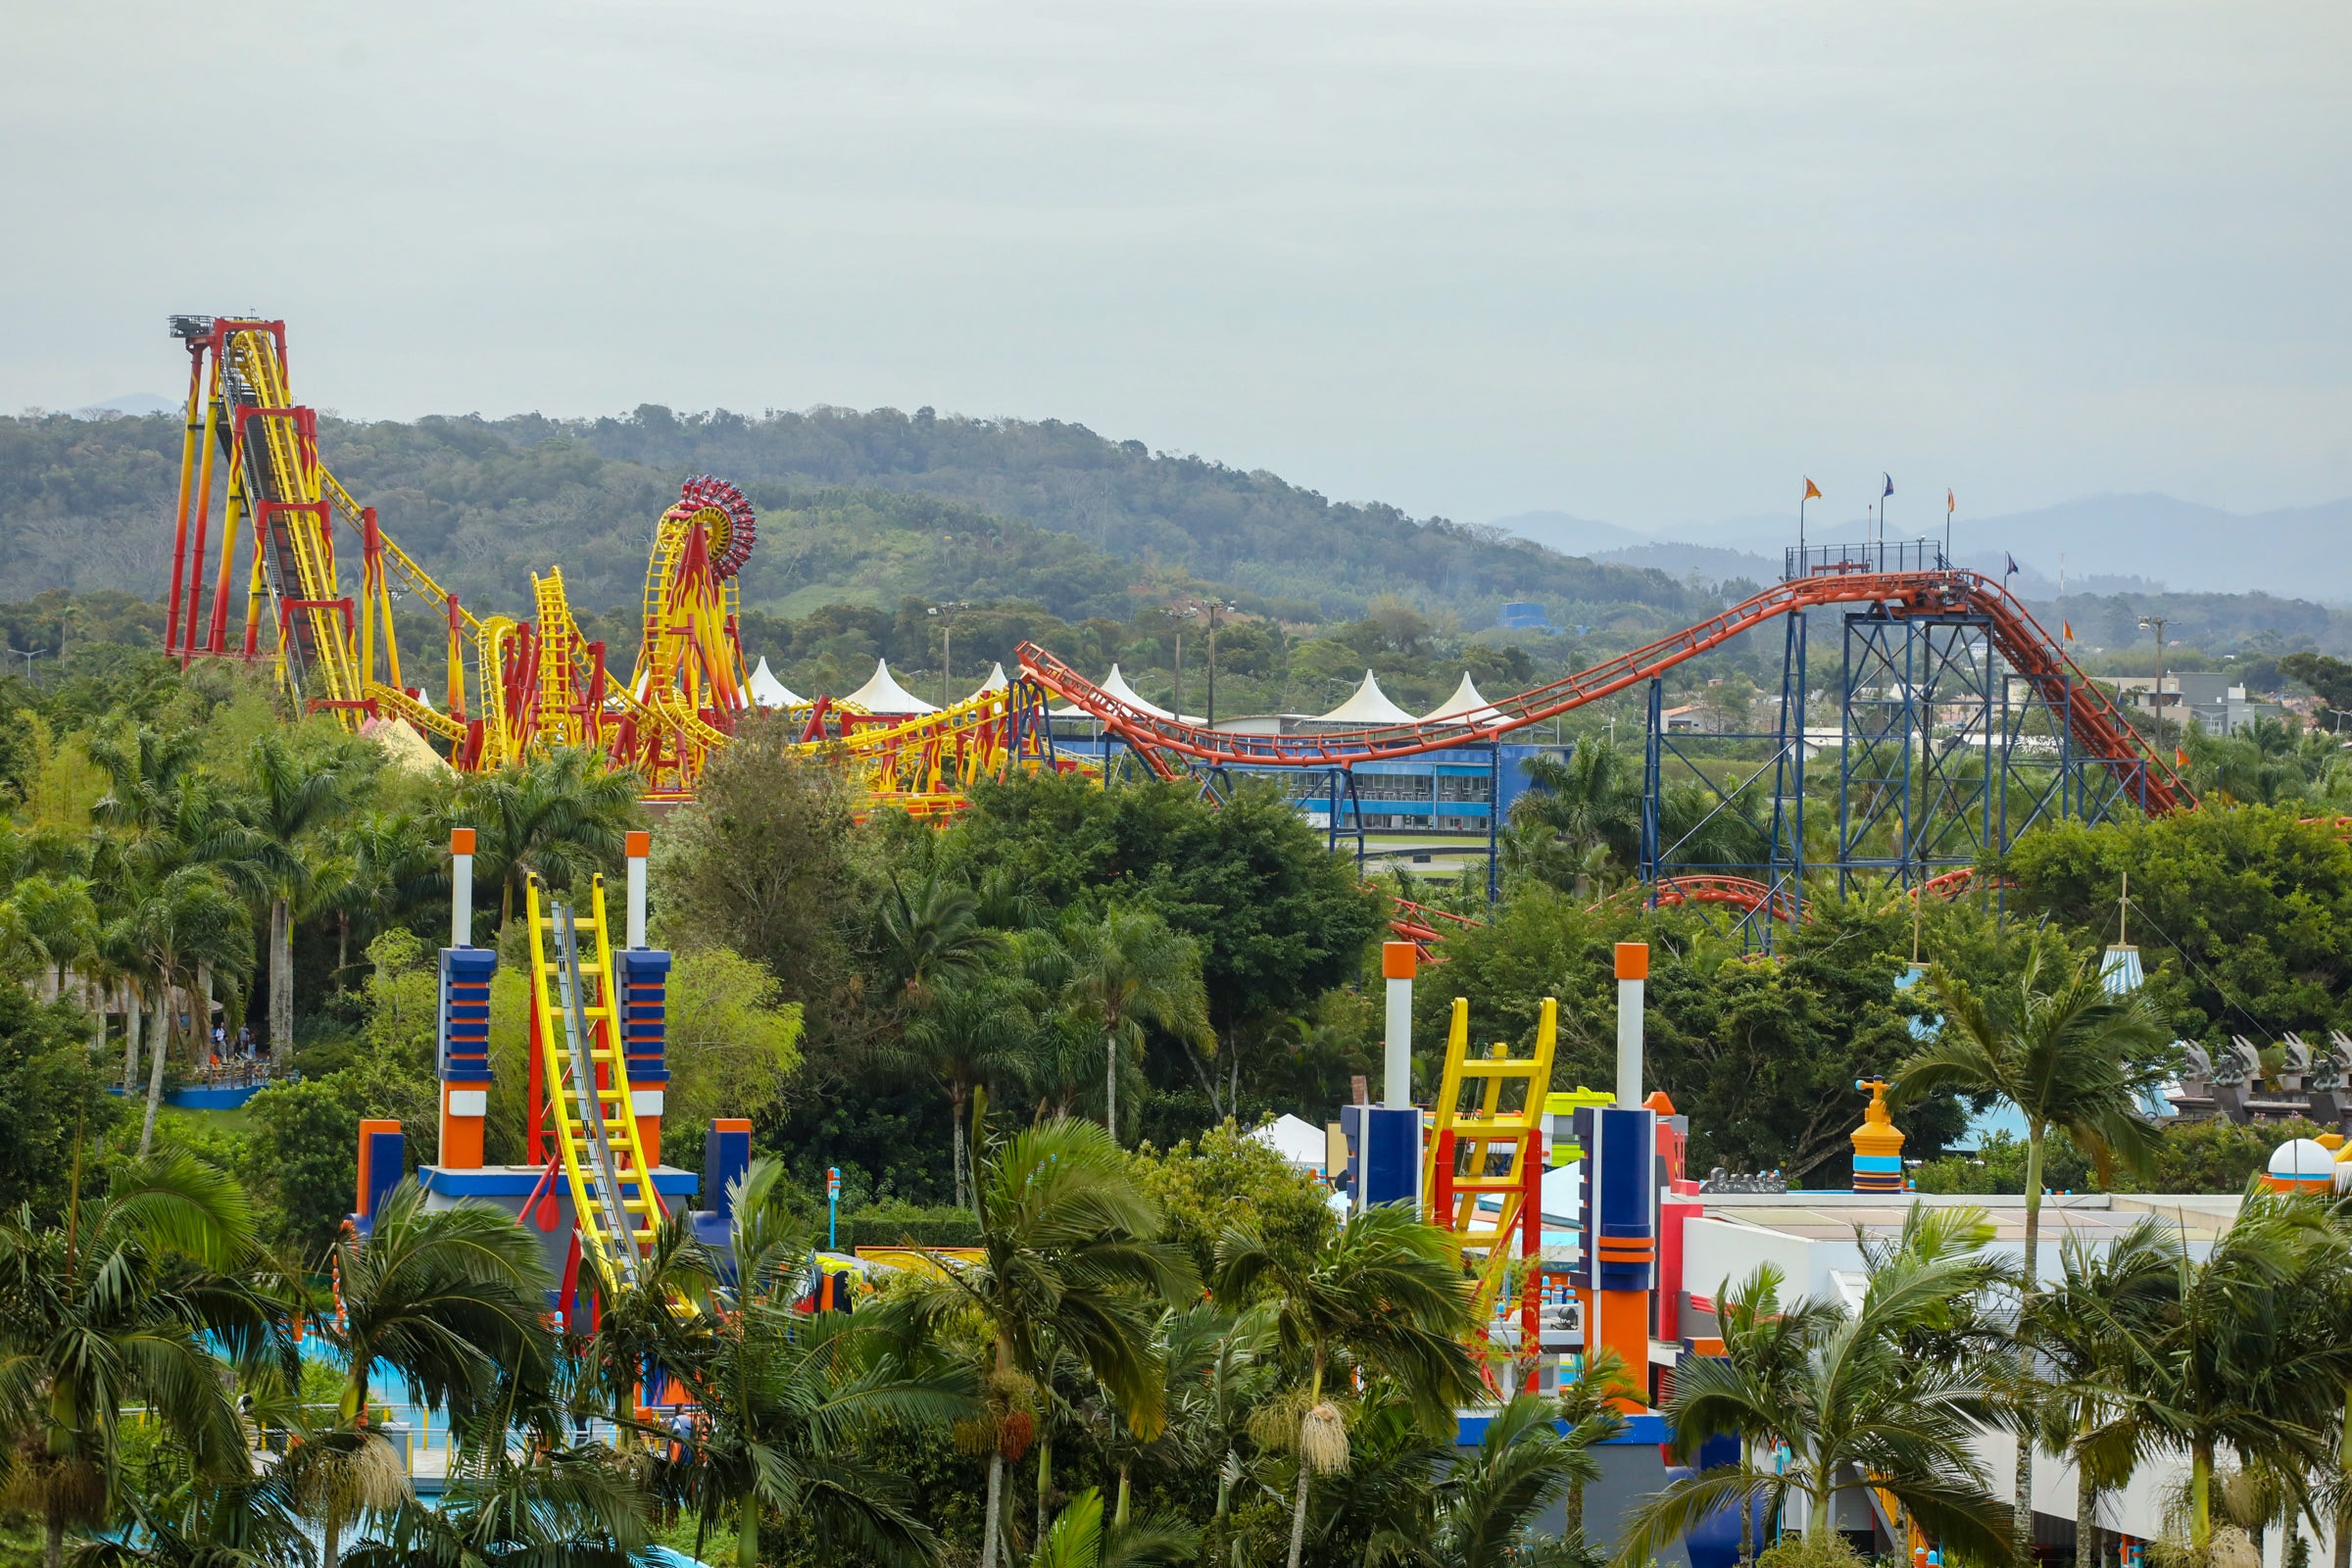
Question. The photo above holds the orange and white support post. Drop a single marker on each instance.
(1623, 1239)
(1396, 961)
(638, 846)
(461, 886)
(1632, 974)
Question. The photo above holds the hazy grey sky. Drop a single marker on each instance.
(1642, 261)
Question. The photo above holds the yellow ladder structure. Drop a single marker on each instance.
(1482, 1152)
(595, 1125)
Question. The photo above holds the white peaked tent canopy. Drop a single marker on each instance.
(996, 682)
(1296, 1140)
(1464, 707)
(1116, 685)
(1368, 706)
(882, 695)
(769, 692)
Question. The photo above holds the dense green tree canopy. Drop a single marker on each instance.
(2244, 914)
(1760, 1053)
(1278, 917)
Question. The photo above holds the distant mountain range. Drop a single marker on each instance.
(2101, 545)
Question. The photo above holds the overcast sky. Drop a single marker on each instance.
(1646, 261)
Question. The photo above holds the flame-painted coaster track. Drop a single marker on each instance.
(2098, 731)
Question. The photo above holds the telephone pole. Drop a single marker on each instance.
(2155, 624)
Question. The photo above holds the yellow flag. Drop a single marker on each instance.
(1812, 491)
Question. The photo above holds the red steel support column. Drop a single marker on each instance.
(1530, 1253)
(187, 474)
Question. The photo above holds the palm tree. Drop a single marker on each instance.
(932, 938)
(190, 922)
(2232, 1360)
(579, 1506)
(1848, 1395)
(246, 1522)
(450, 1299)
(1211, 1409)
(1387, 1512)
(1069, 1256)
(1592, 1403)
(1382, 1294)
(1577, 817)
(972, 1032)
(141, 766)
(783, 1396)
(2064, 1052)
(294, 799)
(1080, 1538)
(122, 1307)
(1129, 970)
(1491, 1498)
(390, 864)
(61, 917)
(2108, 1299)
(559, 816)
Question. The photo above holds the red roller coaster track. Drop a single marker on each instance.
(2098, 730)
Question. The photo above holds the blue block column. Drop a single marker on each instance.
(644, 985)
(464, 1054)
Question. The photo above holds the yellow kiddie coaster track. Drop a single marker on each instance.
(511, 688)
(580, 1061)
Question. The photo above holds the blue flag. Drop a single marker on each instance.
(1889, 490)
(2012, 560)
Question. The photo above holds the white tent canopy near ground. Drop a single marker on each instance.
(883, 695)
(1296, 1140)
(767, 691)
(1368, 704)
(1464, 707)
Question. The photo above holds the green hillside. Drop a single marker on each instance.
(858, 508)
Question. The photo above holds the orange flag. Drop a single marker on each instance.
(2070, 629)
(2179, 756)
(1950, 505)
(1812, 491)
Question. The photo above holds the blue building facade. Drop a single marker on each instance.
(1461, 793)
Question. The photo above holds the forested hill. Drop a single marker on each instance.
(855, 507)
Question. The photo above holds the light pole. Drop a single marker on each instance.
(947, 644)
(1182, 614)
(1214, 609)
(2155, 624)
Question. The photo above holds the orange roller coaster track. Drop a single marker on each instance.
(2098, 729)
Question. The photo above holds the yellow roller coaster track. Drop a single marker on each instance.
(595, 1128)
(925, 766)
